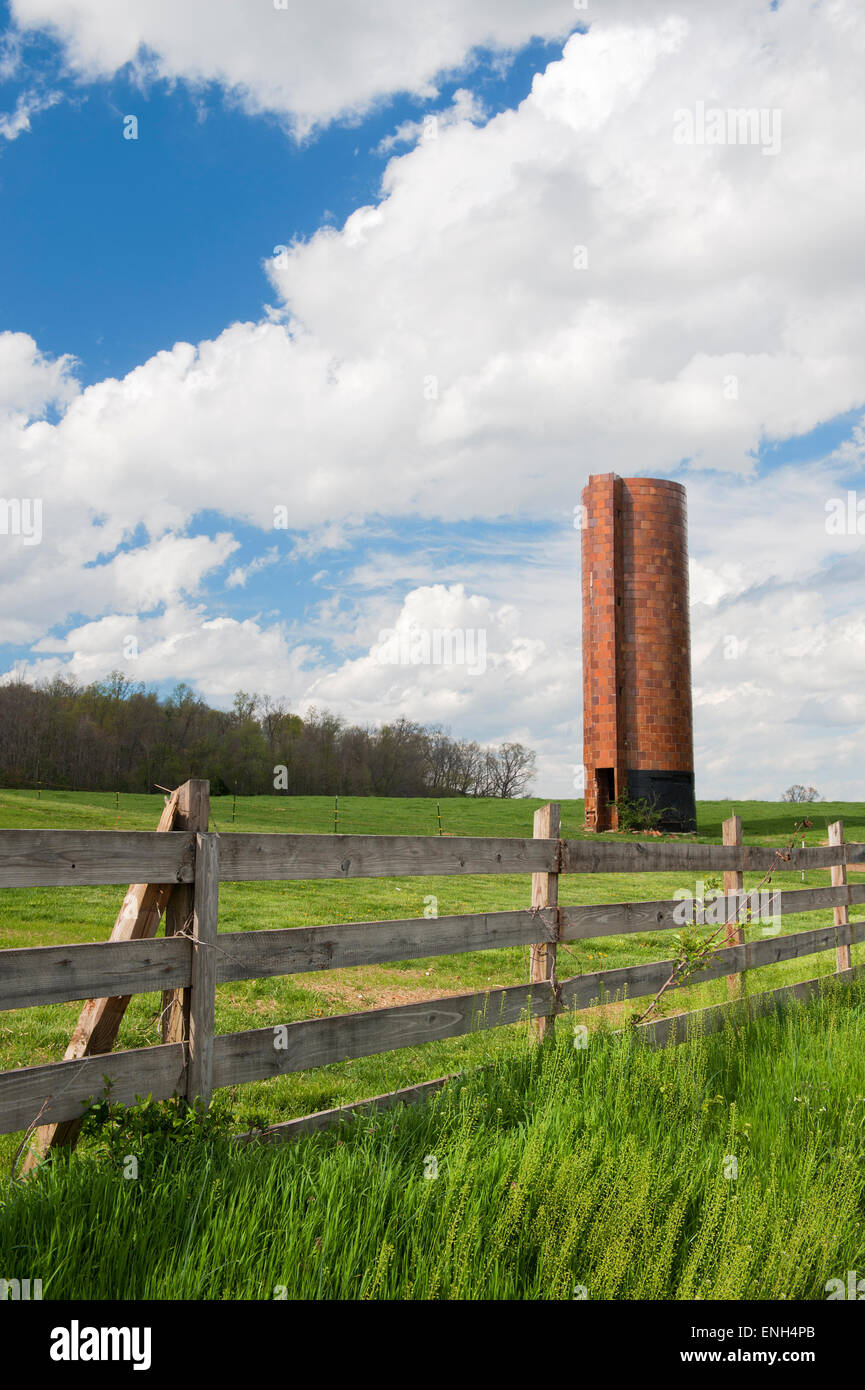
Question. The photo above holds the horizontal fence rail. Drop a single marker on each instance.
(69, 858)
(583, 857)
(66, 858)
(659, 1033)
(249, 858)
(613, 919)
(262, 1053)
(197, 960)
(35, 975)
(663, 1031)
(58, 1090)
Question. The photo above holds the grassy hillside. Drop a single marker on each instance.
(764, 821)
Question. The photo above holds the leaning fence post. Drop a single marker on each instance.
(100, 1019)
(545, 893)
(839, 880)
(202, 993)
(733, 883)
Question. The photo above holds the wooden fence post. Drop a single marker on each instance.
(545, 893)
(193, 813)
(733, 883)
(202, 993)
(839, 880)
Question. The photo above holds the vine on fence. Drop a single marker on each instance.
(695, 952)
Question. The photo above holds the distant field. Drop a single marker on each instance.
(30, 917)
(764, 821)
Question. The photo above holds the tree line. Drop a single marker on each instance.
(115, 735)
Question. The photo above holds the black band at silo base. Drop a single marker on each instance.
(671, 793)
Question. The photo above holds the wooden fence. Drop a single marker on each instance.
(197, 960)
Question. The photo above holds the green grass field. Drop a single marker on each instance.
(730, 1167)
(49, 916)
(33, 917)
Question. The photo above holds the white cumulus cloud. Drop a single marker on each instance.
(558, 290)
(310, 63)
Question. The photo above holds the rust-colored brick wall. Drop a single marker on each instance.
(637, 707)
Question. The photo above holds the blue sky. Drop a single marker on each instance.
(115, 248)
(121, 248)
(426, 379)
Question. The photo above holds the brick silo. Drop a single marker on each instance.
(637, 710)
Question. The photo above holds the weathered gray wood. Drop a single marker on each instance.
(35, 858)
(192, 814)
(80, 857)
(813, 899)
(264, 1052)
(48, 974)
(202, 994)
(56, 1092)
(734, 931)
(340, 1114)
(665, 1032)
(615, 919)
(247, 857)
(792, 946)
(100, 1018)
(635, 981)
(295, 950)
(655, 856)
(839, 880)
(66, 858)
(54, 974)
(35, 975)
(254, 1055)
(545, 895)
(658, 1033)
(288, 951)
(251, 858)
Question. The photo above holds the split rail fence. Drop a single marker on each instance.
(186, 867)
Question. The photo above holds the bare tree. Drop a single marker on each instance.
(513, 768)
(799, 793)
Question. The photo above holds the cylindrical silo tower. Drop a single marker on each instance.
(637, 709)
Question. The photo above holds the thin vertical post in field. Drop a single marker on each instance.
(202, 993)
(545, 893)
(733, 882)
(839, 880)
